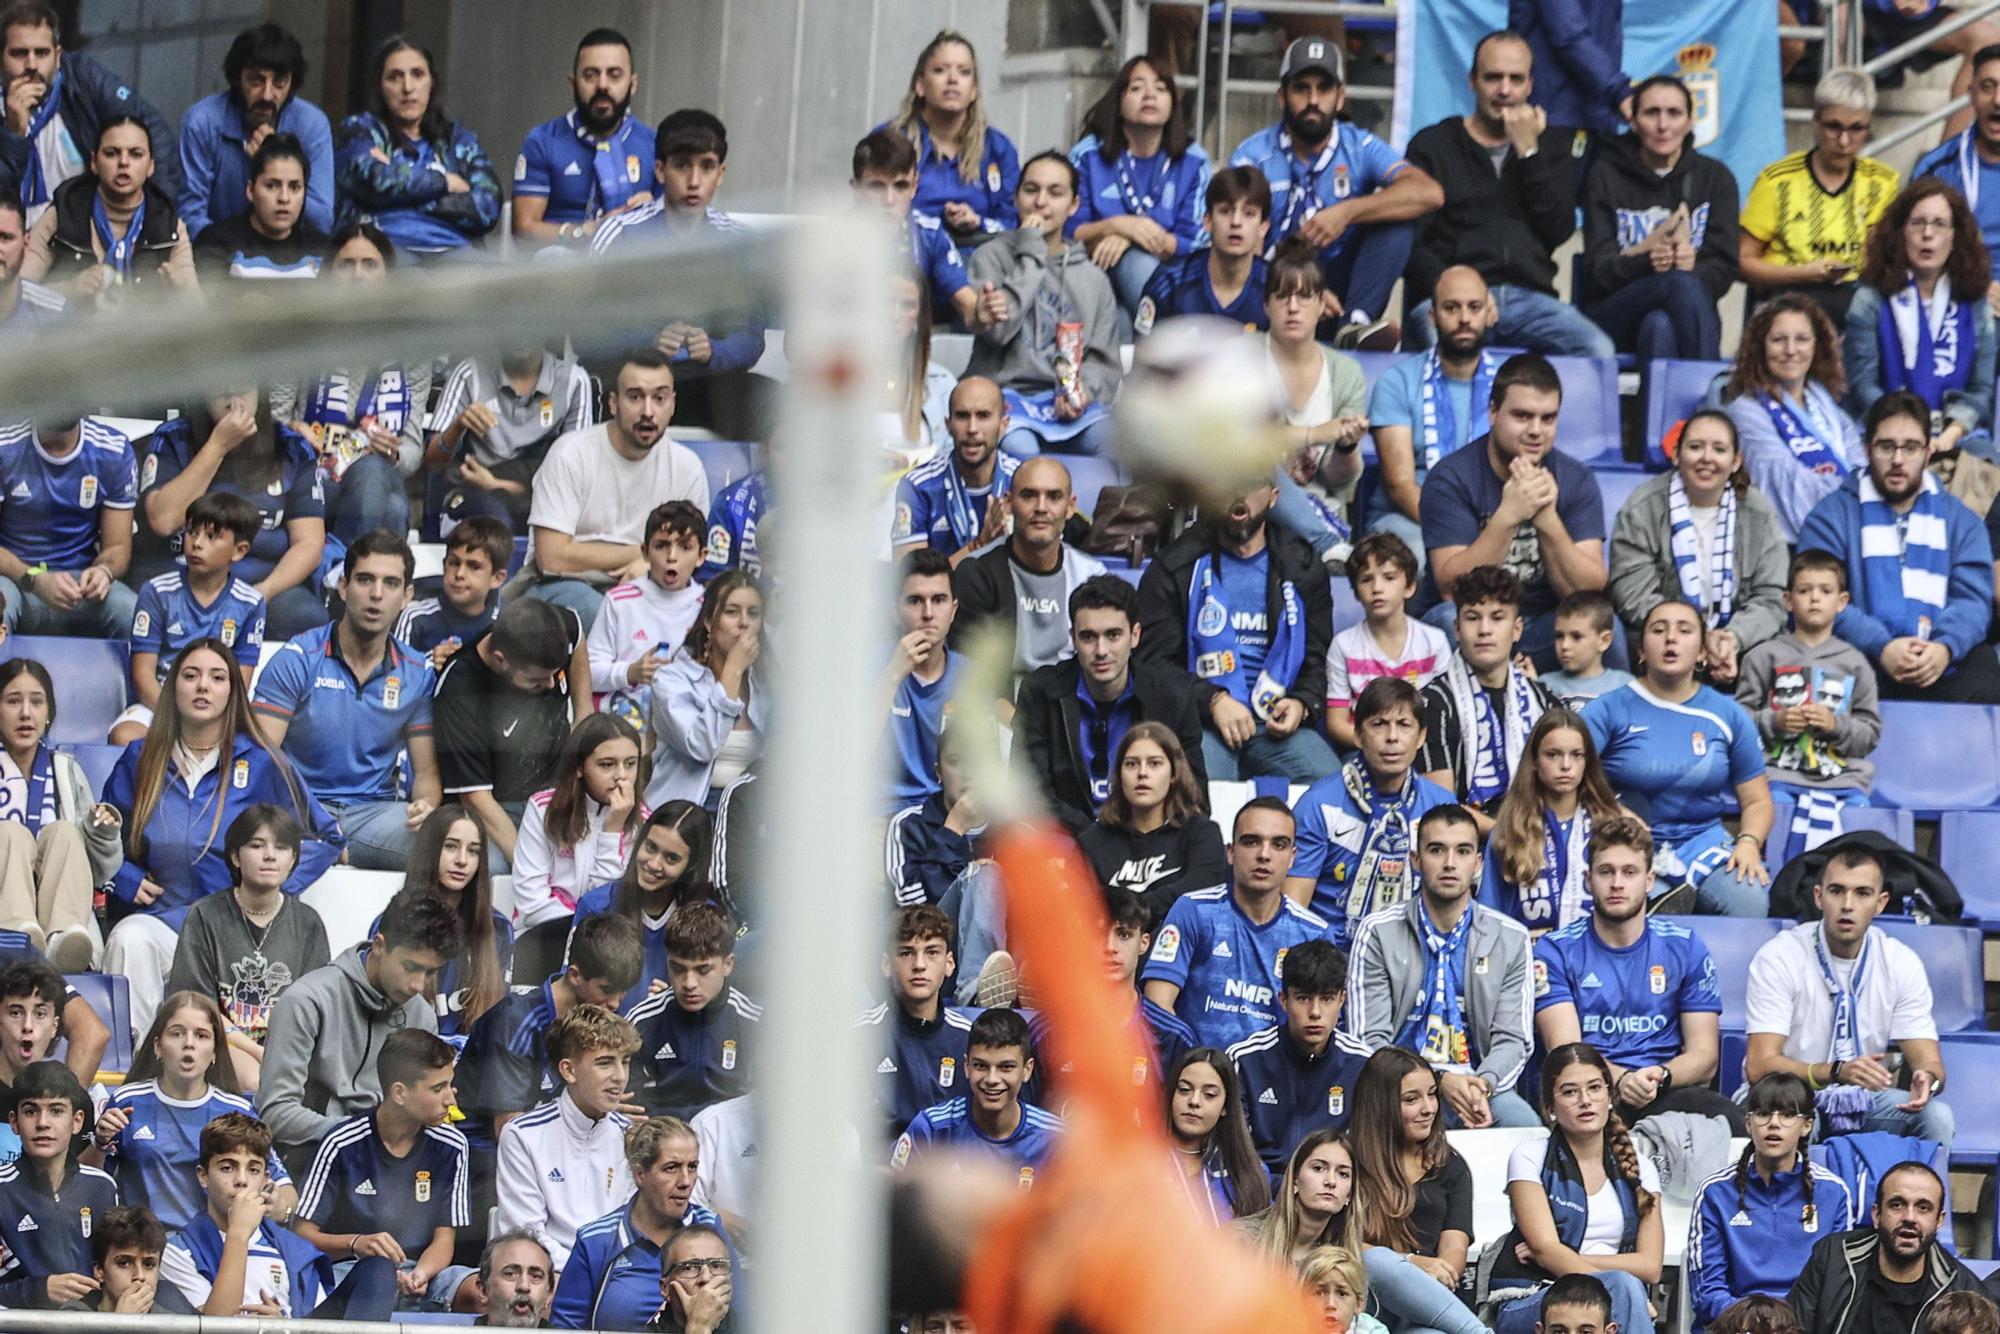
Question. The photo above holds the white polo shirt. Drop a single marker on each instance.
(1788, 994)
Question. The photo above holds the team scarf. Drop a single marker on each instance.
(1141, 203)
(119, 251)
(1846, 1043)
(966, 518)
(35, 182)
(1212, 647)
(1905, 579)
(1968, 171)
(1382, 877)
(1814, 440)
(385, 396)
(1934, 339)
(1489, 747)
(1440, 422)
(1297, 207)
(1717, 595)
(1560, 892)
(614, 182)
(38, 789)
(1435, 1029)
(1816, 819)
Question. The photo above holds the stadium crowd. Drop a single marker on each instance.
(1486, 808)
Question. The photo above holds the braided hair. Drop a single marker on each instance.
(1618, 1150)
(1778, 1092)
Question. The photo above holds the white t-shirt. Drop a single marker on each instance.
(1604, 1224)
(1705, 519)
(726, 1135)
(595, 494)
(1788, 994)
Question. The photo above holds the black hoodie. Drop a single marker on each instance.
(1622, 191)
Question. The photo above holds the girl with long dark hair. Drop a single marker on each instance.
(448, 859)
(579, 833)
(1218, 1165)
(1152, 836)
(667, 871)
(1145, 179)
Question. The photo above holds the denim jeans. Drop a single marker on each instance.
(1412, 1301)
(1726, 894)
(1095, 440)
(1662, 315)
(110, 617)
(1629, 1308)
(1509, 1109)
(1302, 757)
(293, 612)
(377, 837)
(1297, 514)
(1935, 1122)
(368, 496)
(974, 906)
(1526, 318)
(1365, 271)
(577, 595)
(1129, 276)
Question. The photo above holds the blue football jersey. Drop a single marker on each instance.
(169, 617)
(1629, 1001)
(949, 1125)
(733, 517)
(1684, 758)
(356, 1185)
(49, 506)
(923, 1060)
(1353, 162)
(582, 176)
(1182, 287)
(154, 1157)
(1227, 967)
(1334, 836)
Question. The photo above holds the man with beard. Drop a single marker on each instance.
(224, 130)
(1509, 180)
(1882, 1279)
(1246, 607)
(518, 1278)
(594, 490)
(1512, 499)
(1343, 188)
(1919, 566)
(1972, 159)
(589, 163)
(1027, 580)
(956, 503)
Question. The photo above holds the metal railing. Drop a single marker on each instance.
(1839, 36)
(1896, 56)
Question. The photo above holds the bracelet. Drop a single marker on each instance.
(1752, 837)
(1812, 1080)
(1833, 1072)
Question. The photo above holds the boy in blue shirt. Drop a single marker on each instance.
(695, 1037)
(392, 1182)
(1357, 826)
(204, 601)
(921, 676)
(1226, 276)
(66, 528)
(924, 1037)
(476, 555)
(991, 1115)
(1295, 1076)
(1218, 960)
(47, 1199)
(885, 175)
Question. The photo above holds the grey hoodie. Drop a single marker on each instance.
(1019, 352)
(319, 1057)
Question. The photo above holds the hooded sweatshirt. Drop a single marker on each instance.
(1624, 200)
(1042, 290)
(319, 1058)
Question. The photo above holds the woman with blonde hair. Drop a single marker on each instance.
(1536, 860)
(966, 169)
(1338, 1282)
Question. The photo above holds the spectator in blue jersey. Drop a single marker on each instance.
(1219, 957)
(66, 528)
(1295, 1075)
(1538, 855)
(923, 1038)
(989, 1118)
(423, 178)
(1227, 276)
(235, 1258)
(113, 228)
(1479, 710)
(47, 1260)
(506, 1068)
(1689, 754)
(1152, 837)
(1785, 397)
(922, 675)
(392, 1182)
(1640, 989)
(57, 841)
(1509, 173)
(1144, 179)
(589, 163)
(347, 741)
(966, 168)
(272, 240)
(698, 1036)
(57, 102)
(476, 555)
(1341, 188)
(1970, 160)
(326, 1025)
(668, 870)
(246, 947)
(614, 1276)
(149, 1135)
(1920, 321)
(1447, 977)
(641, 622)
(125, 1249)
(956, 502)
(735, 515)
(203, 762)
(222, 132)
(1070, 717)
(1215, 1164)
(1357, 826)
(1659, 232)
(234, 443)
(1755, 1224)
(202, 599)
(518, 1278)
(1579, 47)
(1921, 603)
(24, 306)
(885, 176)
(1054, 351)
(708, 709)
(1246, 607)
(1427, 406)
(448, 859)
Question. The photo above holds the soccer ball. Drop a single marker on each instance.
(1199, 406)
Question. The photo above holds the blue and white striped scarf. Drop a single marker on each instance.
(1717, 596)
(1905, 578)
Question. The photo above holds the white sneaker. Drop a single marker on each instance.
(71, 951)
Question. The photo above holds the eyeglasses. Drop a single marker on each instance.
(693, 1268)
(1928, 225)
(1889, 449)
(1850, 130)
(1778, 1118)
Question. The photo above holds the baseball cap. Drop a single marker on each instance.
(1309, 53)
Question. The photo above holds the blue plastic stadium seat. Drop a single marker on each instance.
(1131, 574)
(1673, 390)
(1590, 428)
(1617, 486)
(1732, 942)
(1088, 477)
(519, 558)
(1968, 849)
(1898, 825)
(90, 675)
(723, 460)
(110, 995)
(1732, 1051)
(1937, 757)
(1347, 609)
(1954, 959)
(97, 760)
(1376, 364)
(1969, 1067)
